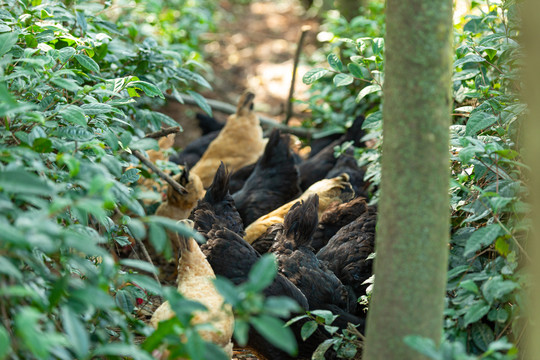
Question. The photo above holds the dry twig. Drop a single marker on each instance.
(305, 30)
(176, 186)
(163, 132)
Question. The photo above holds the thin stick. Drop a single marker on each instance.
(163, 132)
(176, 186)
(230, 109)
(149, 259)
(305, 30)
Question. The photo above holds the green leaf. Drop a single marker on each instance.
(158, 237)
(5, 343)
(423, 345)
(22, 182)
(281, 306)
(478, 121)
(343, 80)
(74, 115)
(190, 75)
(241, 330)
(313, 75)
(176, 226)
(476, 312)
(367, 90)
(263, 272)
(496, 288)
(149, 89)
(68, 84)
(227, 289)
(7, 268)
(355, 70)
(130, 176)
(140, 265)
(481, 238)
(42, 145)
(308, 329)
(373, 121)
(76, 332)
(96, 108)
(66, 53)
(468, 59)
(201, 101)
(7, 41)
(465, 74)
(499, 315)
(324, 314)
(482, 335)
(125, 300)
(335, 62)
(275, 332)
(318, 354)
(87, 62)
(122, 350)
(377, 45)
(470, 286)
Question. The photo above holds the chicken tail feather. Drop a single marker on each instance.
(302, 219)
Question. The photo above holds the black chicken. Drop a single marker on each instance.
(298, 263)
(264, 242)
(334, 218)
(194, 150)
(273, 182)
(219, 202)
(347, 251)
(347, 163)
(208, 124)
(315, 168)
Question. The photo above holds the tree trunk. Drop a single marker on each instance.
(349, 8)
(413, 225)
(531, 94)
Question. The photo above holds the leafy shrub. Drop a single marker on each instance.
(483, 315)
(77, 81)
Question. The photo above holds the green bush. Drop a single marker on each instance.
(77, 81)
(483, 315)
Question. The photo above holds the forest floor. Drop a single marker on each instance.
(253, 48)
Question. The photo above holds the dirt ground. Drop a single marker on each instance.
(254, 49)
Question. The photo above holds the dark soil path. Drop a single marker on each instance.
(253, 48)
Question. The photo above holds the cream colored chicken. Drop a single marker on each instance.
(195, 277)
(330, 191)
(178, 206)
(239, 143)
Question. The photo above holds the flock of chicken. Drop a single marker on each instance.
(261, 196)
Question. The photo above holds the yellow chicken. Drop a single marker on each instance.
(177, 206)
(239, 143)
(335, 190)
(195, 277)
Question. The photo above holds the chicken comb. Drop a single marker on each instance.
(302, 219)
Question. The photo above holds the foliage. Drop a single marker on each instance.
(345, 342)
(251, 308)
(483, 315)
(76, 83)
